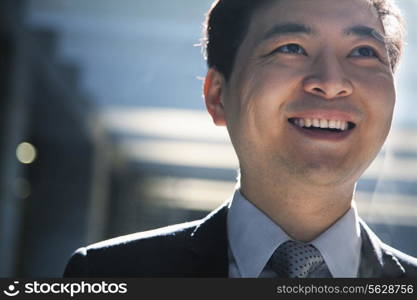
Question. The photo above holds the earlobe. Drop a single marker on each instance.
(213, 90)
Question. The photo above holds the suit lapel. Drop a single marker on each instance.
(209, 245)
(376, 260)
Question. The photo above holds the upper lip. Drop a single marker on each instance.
(326, 115)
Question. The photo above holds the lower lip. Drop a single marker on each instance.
(323, 134)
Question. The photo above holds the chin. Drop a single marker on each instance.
(323, 175)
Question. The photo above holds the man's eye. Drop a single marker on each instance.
(364, 52)
(291, 49)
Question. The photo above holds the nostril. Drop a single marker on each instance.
(318, 90)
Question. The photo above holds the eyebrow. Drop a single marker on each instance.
(287, 28)
(366, 32)
(298, 28)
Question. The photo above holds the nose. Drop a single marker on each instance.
(328, 79)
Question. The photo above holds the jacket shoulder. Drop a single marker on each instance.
(153, 253)
(407, 262)
(382, 260)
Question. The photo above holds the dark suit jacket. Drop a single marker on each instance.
(200, 249)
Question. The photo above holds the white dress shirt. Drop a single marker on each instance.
(253, 237)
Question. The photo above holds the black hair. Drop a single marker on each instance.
(228, 21)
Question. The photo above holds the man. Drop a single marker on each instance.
(306, 90)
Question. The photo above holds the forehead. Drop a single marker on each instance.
(320, 15)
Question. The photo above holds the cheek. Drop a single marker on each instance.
(253, 108)
(265, 92)
(263, 96)
(381, 99)
(267, 88)
(379, 103)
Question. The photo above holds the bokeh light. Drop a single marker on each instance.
(26, 153)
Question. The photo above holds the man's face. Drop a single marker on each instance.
(310, 62)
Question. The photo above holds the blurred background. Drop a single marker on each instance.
(103, 130)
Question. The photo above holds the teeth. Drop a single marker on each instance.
(322, 123)
(297, 122)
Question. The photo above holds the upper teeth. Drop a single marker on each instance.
(322, 123)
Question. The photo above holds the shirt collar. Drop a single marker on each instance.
(253, 237)
(341, 245)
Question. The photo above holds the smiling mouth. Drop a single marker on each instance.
(334, 126)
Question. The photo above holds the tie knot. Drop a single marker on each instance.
(296, 259)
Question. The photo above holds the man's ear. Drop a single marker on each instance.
(213, 92)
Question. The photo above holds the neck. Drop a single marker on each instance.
(302, 211)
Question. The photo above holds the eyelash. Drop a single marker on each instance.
(374, 53)
(303, 52)
(277, 50)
